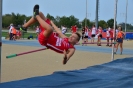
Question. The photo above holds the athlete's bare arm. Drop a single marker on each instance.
(68, 55)
(58, 30)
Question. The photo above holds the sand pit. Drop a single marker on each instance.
(45, 62)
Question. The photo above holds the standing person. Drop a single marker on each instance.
(74, 29)
(10, 31)
(64, 29)
(116, 31)
(93, 33)
(37, 31)
(99, 36)
(14, 32)
(86, 35)
(107, 36)
(119, 39)
(83, 35)
(62, 44)
(18, 34)
(111, 31)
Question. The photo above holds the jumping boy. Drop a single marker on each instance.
(60, 44)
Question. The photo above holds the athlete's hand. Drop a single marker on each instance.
(65, 57)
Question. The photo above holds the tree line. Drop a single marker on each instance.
(18, 19)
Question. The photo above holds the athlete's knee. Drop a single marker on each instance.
(49, 28)
(120, 45)
(40, 13)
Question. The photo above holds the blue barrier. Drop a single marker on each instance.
(129, 35)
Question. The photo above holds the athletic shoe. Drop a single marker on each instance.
(23, 29)
(121, 53)
(35, 11)
(35, 7)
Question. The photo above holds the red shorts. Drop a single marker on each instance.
(41, 38)
(44, 40)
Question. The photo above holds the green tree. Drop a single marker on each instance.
(89, 23)
(6, 20)
(50, 17)
(57, 20)
(102, 23)
(110, 23)
(73, 21)
(129, 26)
(69, 21)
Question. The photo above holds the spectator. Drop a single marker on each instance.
(10, 32)
(86, 35)
(37, 31)
(18, 34)
(83, 34)
(14, 32)
(93, 33)
(119, 39)
(107, 35)
(74, 29)
(99, 36)
(64, 29)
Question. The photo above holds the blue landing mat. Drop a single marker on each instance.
(115, 74)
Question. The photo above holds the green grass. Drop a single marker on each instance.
(5, 34)
(129, 30)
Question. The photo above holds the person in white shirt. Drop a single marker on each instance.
(93, 33)
(116, 32)
(86, 35)
(37, 31)
(107, 36)
(10, 31)
(64, 29)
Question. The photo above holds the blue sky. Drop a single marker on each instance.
(72, 7)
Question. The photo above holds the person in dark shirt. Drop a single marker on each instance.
(83, 34)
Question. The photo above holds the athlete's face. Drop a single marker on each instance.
(119, 28)
(73, 38)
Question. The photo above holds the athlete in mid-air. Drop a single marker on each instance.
(61, 43)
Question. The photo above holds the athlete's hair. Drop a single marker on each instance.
(120, 27)
(79, 36)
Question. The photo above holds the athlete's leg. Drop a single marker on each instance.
(100, 41)
(48, 28)
(121, 47)
(111, 42)
(31, 21)
(107, 41)
(117, 47)
(87, 39)
(92, 39)
(42, 16)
